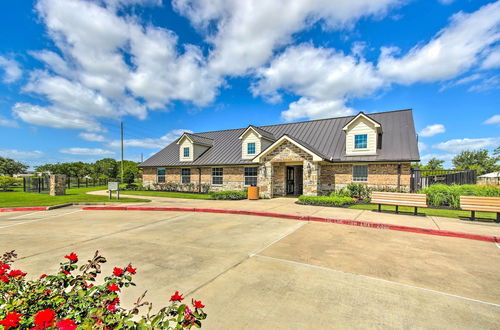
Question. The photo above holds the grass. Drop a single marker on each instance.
(447, 213)
(21, 199)
(165, 194)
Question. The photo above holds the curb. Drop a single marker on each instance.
(16, 209)
(376, 225)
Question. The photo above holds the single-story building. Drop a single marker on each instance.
(312, 157)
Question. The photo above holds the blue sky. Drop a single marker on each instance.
(70, 70)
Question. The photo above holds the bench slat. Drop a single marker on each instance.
(399, 199)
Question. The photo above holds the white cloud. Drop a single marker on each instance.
(432, 130)
(20, 154)
(422, 146)
(150, 143)
(92, 137)
(493, 120)
(248, 31)
(490, 83)
(54, 117)
(87, 151)
(447, 157)
(462, 81)
(458, 145)
(54, 62)
(446, 2)
(455, 49)
(12, 70)
(492, 60)
(7, 122)
(322, 77)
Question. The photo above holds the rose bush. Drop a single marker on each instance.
(73, 299)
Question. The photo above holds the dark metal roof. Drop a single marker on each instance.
(324, 136)
(198, 139)
(265, 134)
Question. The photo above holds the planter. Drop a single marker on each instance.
(253, 193)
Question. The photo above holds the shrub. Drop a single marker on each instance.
(326, 200)
(443, 195)
(181, 187)
(7, 182)
(229, 195)
(71, 299)
(354, 190)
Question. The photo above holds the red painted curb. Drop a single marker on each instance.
(376, 225)
(16, 209)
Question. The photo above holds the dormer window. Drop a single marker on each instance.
(186, 152)
(251, 148)
(361, 141)
(192, 146)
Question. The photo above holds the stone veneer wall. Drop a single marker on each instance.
(336, 176)
(57, 184)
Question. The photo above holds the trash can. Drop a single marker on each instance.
(253, 192)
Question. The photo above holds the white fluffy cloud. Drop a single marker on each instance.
(432, 130)
(8, 122)
(324, 78)
(87, 151)
(248, 31)
(493, 120)
(458, 145)
(150, 143)
(93, 137)
(12, 70)
(20, 154)
(455, 49)
(492, 60)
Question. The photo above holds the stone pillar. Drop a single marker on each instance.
(311, 182)
(264, 179)
(57, 184)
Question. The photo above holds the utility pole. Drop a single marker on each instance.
(141, 158)
(121, 131)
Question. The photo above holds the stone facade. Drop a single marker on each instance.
(57, 184)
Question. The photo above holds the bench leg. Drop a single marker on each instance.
(473, 215)
(415, 212)
(498, 218)
(397, 209)
(379, 208)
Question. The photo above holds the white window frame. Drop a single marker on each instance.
(184, 152)
(245, 176)
(188, 176)
(163, 176)
(360, 179)
(254, 148)
(355, 146)
(216, 175)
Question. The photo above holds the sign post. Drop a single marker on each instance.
(114, 186)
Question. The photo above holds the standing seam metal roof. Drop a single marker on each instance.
(325, 136)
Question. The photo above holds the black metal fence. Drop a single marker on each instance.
(40, 184)
(424, 178)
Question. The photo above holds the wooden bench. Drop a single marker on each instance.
(482, 204)
(399, 199)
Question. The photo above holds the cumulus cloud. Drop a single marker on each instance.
(151, 143)
(248, 31)
(20, 154)
(87, 151)
(455, 49)
(12, 70)
(432, 130)
(93, 137)
(8, 122)
(458, 145)
(495, 120)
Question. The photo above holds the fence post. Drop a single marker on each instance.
(78, 182)
(24, 184)
(40, 185)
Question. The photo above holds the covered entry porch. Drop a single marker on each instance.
(288, 179)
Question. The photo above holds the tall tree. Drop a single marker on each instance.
(434, 164)
(478, 160)
(9, 166)
(106, 168)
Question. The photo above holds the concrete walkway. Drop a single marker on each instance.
(288, 206)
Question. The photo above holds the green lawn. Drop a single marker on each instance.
(165, 194)
(21, 199)
(427, 211)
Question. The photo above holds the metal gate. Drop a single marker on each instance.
(36, 184)
(424, 178)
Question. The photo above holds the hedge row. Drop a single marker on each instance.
(228, 195)
(326, 200)
(443, 195)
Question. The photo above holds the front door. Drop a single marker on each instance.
(290, 180)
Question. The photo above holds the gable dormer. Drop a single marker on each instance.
(362, 136)
(254, 140)
(192, 146)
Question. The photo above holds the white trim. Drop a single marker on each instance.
(184, 136)
(255, 131)
(315, 156)
(361, 114)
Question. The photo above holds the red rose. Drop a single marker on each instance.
(66, 324)
(198, 304)
(16, 273)
(72, 257)
(176, 297)
(44, 319)
(130, 269)
(64, 272)
(113, 287)
(11, 320)
(112, 307)
(43, 276)
(117, 271)
(4, 279)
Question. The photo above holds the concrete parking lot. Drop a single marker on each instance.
(262, 273)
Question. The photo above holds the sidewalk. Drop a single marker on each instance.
(288, 206)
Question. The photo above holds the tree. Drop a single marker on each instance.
(434, 164)
(106, 168)
(476, 160)
(10, 167)
(6, 182)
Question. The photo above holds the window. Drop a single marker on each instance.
(361, 141)
(360, 173)
(185, 151)
(217, 173)
(186, 175)
(160, 175)
(251, 148)
(250, 176)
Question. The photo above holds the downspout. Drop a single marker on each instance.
(399, 176)
(199, 180)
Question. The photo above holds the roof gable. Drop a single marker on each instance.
(299, 144)
(362, 115)
(263, 134)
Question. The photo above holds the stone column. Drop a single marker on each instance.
(264, 179)
(311, 182)
(57, 184)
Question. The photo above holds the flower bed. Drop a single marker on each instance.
(72, 298)
(326, 200)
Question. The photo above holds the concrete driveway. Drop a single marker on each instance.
(262, 273)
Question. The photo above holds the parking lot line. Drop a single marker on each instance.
(377, 279)
(25, 215)
(41, 219)
(293, 230)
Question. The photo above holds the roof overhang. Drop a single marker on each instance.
(266, 151)
(184, 136)
(362, 115)
(250, 128)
